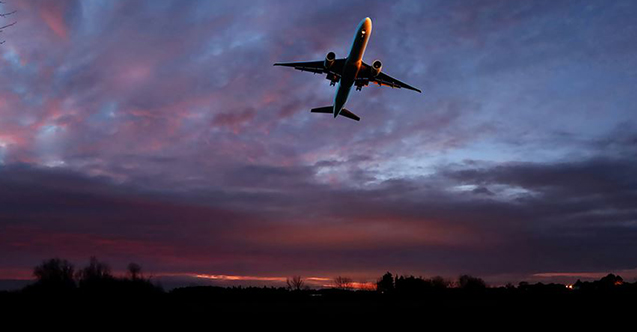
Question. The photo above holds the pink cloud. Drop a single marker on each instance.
(52, 15)
(234, 119)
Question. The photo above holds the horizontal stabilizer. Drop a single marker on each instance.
(326, 109)
(330, 109)
(348, 114)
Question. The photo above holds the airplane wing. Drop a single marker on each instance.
(382, 79)
(316, 67)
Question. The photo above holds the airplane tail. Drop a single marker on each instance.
(329, 109)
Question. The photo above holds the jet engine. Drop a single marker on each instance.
(376, 67)
(329, 60)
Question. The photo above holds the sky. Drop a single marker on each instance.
(159, 132)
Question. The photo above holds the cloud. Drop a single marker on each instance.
(284, 220)
(160, 131)
(52, 15)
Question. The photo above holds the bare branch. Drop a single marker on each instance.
(343, 283)
(295, 284)
(4, 15)
(8, 25)
(7, 14)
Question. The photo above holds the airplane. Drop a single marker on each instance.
(348, 72)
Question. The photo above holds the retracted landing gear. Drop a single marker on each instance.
(360, 83)
(332, 78)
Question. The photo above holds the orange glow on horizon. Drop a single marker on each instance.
(322, 282)
(237, 278)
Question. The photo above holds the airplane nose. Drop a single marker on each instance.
(367, 23)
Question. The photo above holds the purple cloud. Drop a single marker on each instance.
(159, 131)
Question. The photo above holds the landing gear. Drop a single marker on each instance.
(360, 83)
(333, 79)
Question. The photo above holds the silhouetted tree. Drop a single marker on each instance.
(411, 286)
(439, 283)
(610, 281)
(385, 284)
(296, 283)
(95, 274)
(470, 283)
(134, 271)
(343, 283)
(55, 273)
(136, 284)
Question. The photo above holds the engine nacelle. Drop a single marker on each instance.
(329, 60)
(376, 67)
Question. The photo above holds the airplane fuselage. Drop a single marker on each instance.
(352, 64)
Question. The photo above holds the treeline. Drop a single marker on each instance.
(410, 285)
(403, 285)
(59, 276)
(59, 288)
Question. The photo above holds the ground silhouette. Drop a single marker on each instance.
(60, 289)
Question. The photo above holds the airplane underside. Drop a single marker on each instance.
(348, 72)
